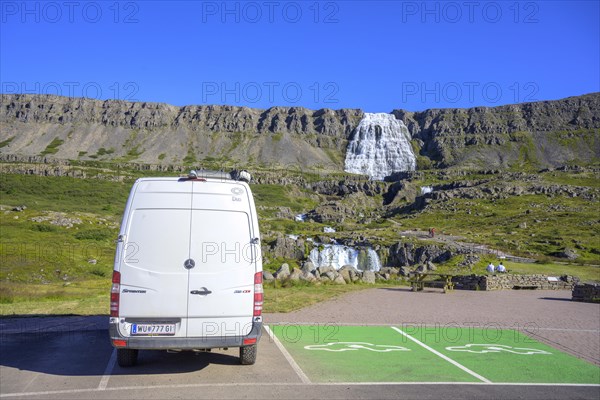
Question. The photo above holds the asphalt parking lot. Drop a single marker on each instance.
(71, 357)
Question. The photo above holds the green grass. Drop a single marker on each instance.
(89, 297)
(586, 273)
(287, 297)
(56, 253)
(52, 148)
(552, 224)
(132, 154)
(64, 193)
(589, 179)
(102, 151)
(190, 158)
(6, 142)
(32, 252)
(297, 200)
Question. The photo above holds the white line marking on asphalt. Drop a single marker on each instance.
(437, 353)
(287, 356)
(283, 384)
(31, 381)
(108, 370)
(447, 325)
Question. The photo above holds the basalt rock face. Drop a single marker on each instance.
(542, 134)
(76, 128)
(546, 133)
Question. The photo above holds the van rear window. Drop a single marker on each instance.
(161, 240)
(158, 239)
(221, 239)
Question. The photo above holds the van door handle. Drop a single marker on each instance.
(201, 292)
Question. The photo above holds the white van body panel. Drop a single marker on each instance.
(170, 221)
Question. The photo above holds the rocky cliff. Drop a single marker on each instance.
(549, 133)
(76, 128)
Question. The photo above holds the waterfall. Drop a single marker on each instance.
(336, 256)
(426, 189)
(373, 260)
(380, 147)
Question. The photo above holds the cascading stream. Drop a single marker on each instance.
(336, 256)
(380, 147)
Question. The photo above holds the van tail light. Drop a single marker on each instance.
(114, 294)
(258, 294)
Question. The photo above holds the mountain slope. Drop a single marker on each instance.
(540, 134)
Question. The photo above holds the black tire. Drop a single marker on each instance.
(127, 357)
(248, 355)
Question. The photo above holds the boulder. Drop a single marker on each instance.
(330, 275)
(283, 272)
(348, 272)
(368, 277)
(308, 266)
(307, 277)
(339, 280)
(430, 266)
(295, 275)
(287, 247)
(567, 253)
(389, 270)
(268, 277)
(323, 270)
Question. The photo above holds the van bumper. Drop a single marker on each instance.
(183, 343)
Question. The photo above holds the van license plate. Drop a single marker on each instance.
(152, 329)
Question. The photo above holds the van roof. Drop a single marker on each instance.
(203, 175)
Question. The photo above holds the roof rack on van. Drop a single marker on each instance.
(236, 175)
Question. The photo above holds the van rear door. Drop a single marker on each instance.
(221, 285)
(154, 281)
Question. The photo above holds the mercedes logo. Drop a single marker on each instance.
(189, 263)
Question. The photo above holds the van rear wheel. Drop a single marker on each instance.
(127, 357)
(248, 355)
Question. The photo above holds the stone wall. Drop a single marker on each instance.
(510, 281)
(588, 292)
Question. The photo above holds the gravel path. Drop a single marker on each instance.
(546, 315)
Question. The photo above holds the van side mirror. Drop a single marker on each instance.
(255, 240)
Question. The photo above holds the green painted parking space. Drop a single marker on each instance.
(506, 355)
(333, 353)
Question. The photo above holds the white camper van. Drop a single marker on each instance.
(188, 270)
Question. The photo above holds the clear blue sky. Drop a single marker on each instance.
(377, 56)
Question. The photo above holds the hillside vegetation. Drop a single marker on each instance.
(518, 181)
(57, 251)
